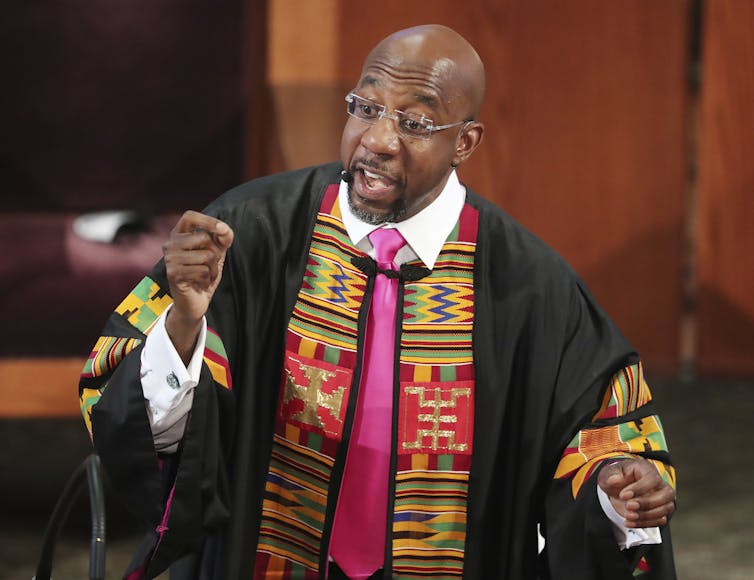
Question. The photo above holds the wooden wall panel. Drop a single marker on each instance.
(585, 136)
(39, 387)
(302, 75)
(597, 143)
(725, 324)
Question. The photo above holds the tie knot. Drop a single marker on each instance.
(386, 242)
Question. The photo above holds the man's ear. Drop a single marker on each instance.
(467, 141)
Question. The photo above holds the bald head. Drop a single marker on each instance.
(438, 53)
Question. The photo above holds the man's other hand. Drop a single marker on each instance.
(638, 493)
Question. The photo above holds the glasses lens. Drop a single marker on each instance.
(362, 108)
(414, 126)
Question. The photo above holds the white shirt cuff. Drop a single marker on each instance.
(168, 384)
(626, 537)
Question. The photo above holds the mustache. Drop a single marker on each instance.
(373, 164)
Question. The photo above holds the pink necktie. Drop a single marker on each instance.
(358, 537)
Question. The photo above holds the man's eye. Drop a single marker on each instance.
(367, 110)
(413, 125)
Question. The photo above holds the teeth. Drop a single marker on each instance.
(374, 181)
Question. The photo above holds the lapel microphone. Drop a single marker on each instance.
(346, 176)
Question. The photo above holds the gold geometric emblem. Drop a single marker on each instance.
(312, 396)
(439, 421)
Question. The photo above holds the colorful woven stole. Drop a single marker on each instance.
(436, 413)
(434, 409)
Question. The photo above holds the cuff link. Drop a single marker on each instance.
(173, 381)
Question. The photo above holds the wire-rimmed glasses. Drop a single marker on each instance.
(409, 125)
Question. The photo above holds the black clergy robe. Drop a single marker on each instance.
(550, 370)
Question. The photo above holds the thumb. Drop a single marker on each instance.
(613, 478)
(223, 235)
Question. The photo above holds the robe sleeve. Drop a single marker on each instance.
(623, 424)
(177, 496)
(185, 497)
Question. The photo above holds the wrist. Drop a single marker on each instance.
(183, 331)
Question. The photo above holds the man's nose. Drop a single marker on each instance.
(382, 137)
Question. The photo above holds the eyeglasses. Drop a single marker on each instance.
(409, 124)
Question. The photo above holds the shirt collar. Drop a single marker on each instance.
(425, 233)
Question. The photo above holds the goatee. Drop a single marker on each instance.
(397, 211)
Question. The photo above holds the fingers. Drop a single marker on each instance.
(645, 477)
(652, 509)
(208, 228)
(196, 240)
(199, 276)
(192, 257)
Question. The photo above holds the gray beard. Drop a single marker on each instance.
(396, 213)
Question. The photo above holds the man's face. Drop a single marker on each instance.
(394, 176)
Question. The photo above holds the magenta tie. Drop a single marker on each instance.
(358, 536)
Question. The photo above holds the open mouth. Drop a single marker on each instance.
(372, 185)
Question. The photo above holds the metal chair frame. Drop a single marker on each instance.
(91, 470)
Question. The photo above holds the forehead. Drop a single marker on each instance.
(410, 77)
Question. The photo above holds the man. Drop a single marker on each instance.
(509, 400)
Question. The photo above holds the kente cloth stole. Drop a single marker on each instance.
(433, 406)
